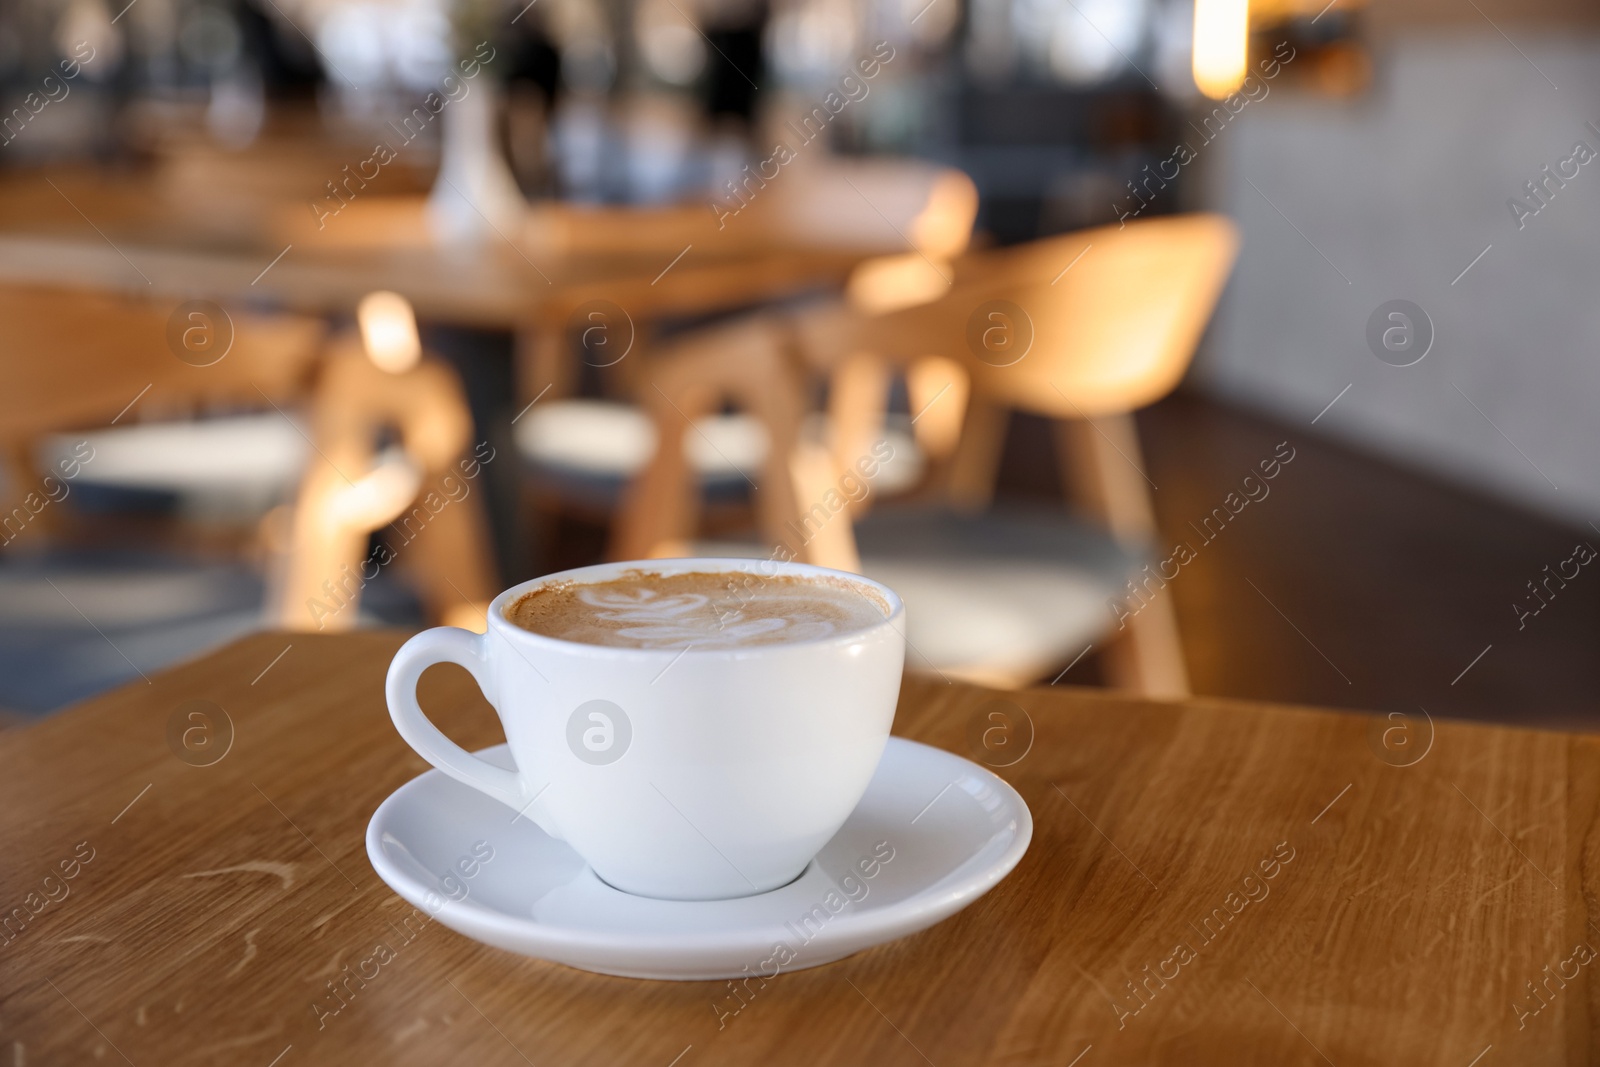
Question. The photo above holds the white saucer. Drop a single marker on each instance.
(951, 829)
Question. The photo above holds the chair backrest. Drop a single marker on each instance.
(1110, 317)
(1089, 323)
(74, 358)
(1099, 321)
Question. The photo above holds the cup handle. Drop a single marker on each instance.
(447, 644)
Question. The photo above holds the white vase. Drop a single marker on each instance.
(474, 196)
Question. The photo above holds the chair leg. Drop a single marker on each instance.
(939, 388)
(451, 564)
(977, 456)
(858, 394)
(745, 362)
(823, 530)
(316, 583)
(543, 362)
(658, 509)
(1106, 479)
(797, 475)
(24, 481)
(1149, 657)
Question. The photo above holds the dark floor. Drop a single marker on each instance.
(1384, 584)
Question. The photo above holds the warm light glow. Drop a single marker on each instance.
(938, 389)
(377, 497)
(389, 331)
(944, 227)
(473, 616)
(671, 550)
(1221, 45)
(889, 283)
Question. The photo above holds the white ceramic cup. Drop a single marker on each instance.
(687, 775)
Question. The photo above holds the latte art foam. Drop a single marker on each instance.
(697, 610)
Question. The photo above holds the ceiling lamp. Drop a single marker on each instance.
(1221, 45)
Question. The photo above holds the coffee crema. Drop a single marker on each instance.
(697, 609)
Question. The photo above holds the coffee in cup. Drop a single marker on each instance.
(697, 609)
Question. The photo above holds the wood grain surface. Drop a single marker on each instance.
(1209, 883)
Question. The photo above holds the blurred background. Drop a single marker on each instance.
(1213, 346)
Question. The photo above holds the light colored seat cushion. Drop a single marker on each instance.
(227, 465)
(1000, 597)
(906, 463)
(592, 447)
(601, 438)
(997, 598)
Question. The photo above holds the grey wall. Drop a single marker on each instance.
(1400, 189)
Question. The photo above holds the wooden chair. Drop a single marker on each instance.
(82, 361)
(79, 371)
(1082, 329)
(421, 488)
(860, 208)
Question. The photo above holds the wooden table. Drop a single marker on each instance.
(137, 237)
(1406, 911)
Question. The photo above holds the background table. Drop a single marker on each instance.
(504, 311)
(135, 236)
(1418, 903)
